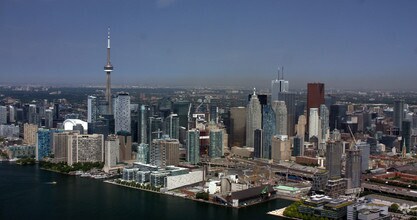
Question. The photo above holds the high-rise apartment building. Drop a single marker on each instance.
(172, 126)
(122, 118)
(193, 146)
(143, 124)
(85, 148)
(92, 109)
(29, 134)
(143, 153)
(61, 145)
(353, 168)
(44, 142)
(216, 143)
(12, 114)
(125, 148)
(334, 151)
(111, 151)
(164, 152)
(3, 115)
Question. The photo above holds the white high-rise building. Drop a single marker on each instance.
(281, 120)
(313, 123)
(324, 120)
(253, 119)
(111, 153)
(85, 148)
(12, 117)
(92, 110)
(122, 113)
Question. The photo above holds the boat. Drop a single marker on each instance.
(85, 175)
(53, 182)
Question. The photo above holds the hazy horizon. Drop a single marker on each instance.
(347, 45)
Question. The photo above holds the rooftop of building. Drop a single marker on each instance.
(390, 199)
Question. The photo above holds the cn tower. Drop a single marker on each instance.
(108, 68)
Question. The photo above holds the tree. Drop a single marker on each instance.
(394, 208)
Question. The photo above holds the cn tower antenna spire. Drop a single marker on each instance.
(108, 68)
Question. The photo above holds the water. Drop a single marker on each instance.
(26, 192)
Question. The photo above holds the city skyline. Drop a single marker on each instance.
(345, 45)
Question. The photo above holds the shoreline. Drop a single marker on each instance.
(200, 200)
(174, 194)
(280, 213)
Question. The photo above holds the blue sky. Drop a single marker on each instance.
(345, 44)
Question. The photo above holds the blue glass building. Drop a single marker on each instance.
(44, 143)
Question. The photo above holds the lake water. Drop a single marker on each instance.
(26, 192)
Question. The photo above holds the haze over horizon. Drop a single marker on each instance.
(350, 44)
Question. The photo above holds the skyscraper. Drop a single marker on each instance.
(238, 126)
(143, 153)
(164, 152)
(171, 126)
(112, 154)
(333, 158)
(253, 119)
(154, 128)
(406, 134)
(289, 99)
(12, 115)
(92, 110)
(281, 121)
(315, 97)
(3, 115)
(143, 124)
(281, 148)
(268, 131)
(398, 113)
(216, 143)
(108, 68)
(365, 149)
(193, 146)
(86, 148)
(125, 147)
(353, 167)
(278, 86)
(258, 143)
(122, 118)
(324, 129)
(337, 116)
(314, 123)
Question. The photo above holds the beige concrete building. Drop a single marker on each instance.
(281, 148)
(165, 152)
(29, 134)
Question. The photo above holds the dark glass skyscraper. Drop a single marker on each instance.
(398, 113)
(268, 131)
(337, 116)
